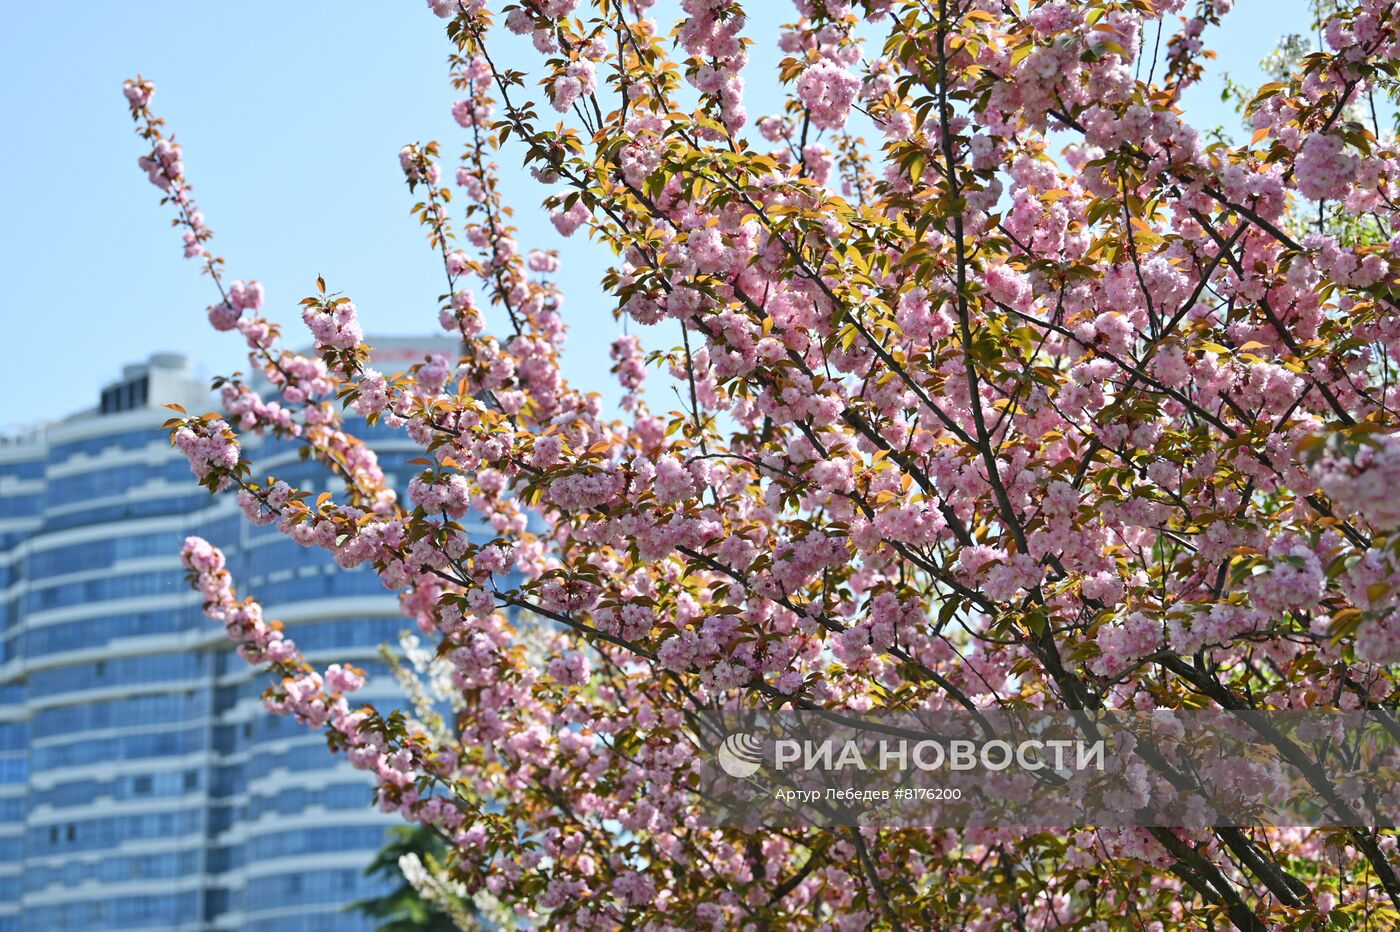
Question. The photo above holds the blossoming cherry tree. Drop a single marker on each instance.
(1000, 386)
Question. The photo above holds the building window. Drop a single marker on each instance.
(126, 396)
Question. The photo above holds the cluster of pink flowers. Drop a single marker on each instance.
(258, 640)
(827, 90)
(710, 35)
(1124, 644)
(579, 79)
(251, 412)
(567, 221)
(416, 167)
(335, 326)
(630, 366)
(138, 93)
(476, 111)
(1324, 168)
(225, 315)
(449, 8)
(1365, 482)
(210, 446)
(450, 496)
(163, 165)
(461, 315)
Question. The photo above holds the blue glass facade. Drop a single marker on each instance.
(142, 785)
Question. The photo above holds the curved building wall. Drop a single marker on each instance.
(142, 784)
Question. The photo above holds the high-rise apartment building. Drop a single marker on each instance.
(142, 784)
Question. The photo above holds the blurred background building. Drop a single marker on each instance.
(142, 784)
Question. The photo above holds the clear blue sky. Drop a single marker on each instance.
(291, 115)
